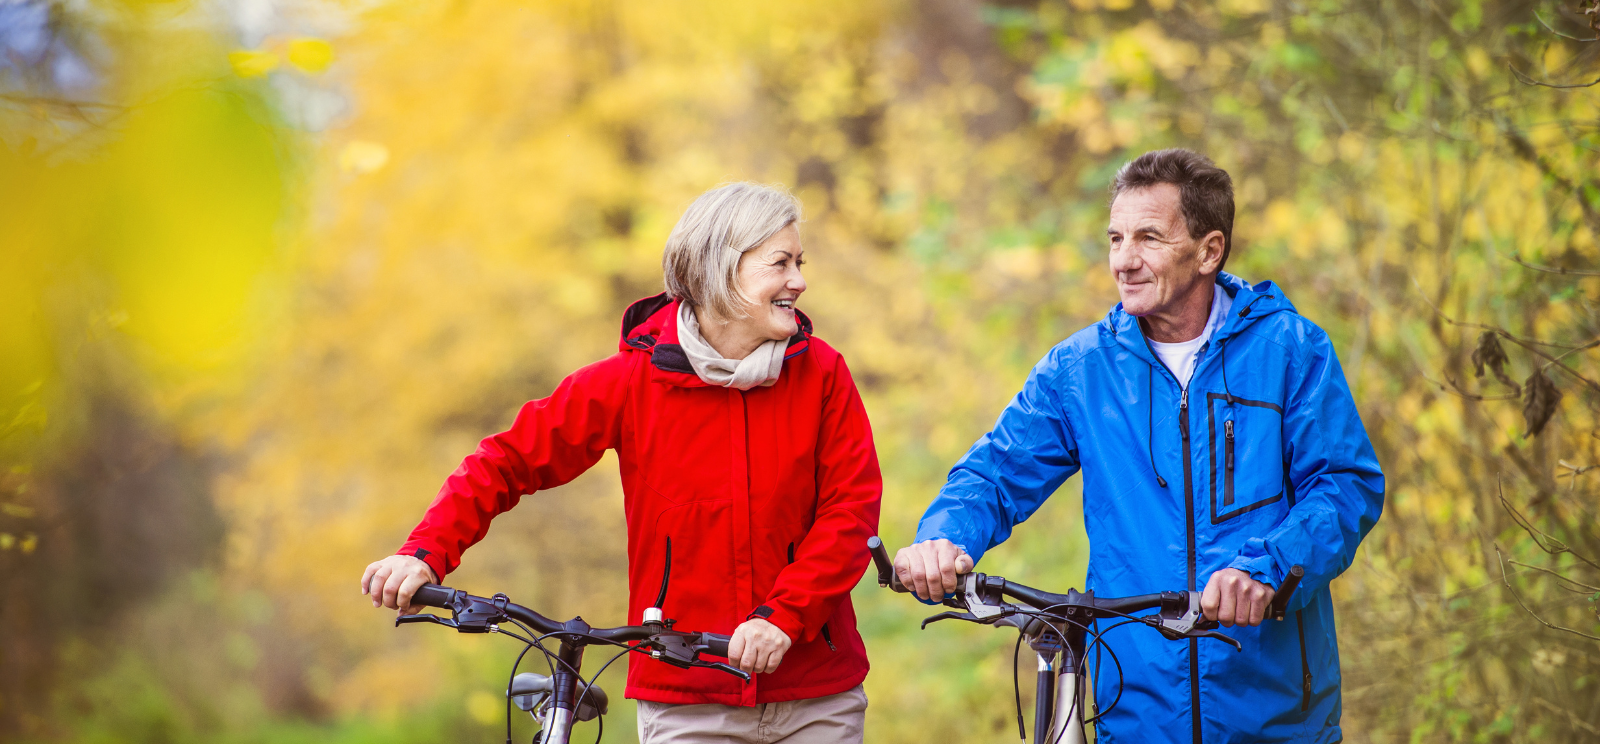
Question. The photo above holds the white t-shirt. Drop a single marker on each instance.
(1180, 357)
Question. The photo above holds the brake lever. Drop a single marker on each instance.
(721, 667)
(967, 616)
(425, 618)
(1213, 634)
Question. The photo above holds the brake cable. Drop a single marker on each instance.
(1098, 641)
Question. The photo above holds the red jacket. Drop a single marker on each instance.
(768, 496)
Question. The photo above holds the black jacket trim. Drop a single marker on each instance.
(637, 314)
(805, 328)
(671, 358)
(762, 612)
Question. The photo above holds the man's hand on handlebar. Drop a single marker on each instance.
(1233, 598)
(758, 646)
(391, 581)
(929, 568)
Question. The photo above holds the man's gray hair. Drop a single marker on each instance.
(701, 261)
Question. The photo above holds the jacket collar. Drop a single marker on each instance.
(1251, 303)
(651, 325)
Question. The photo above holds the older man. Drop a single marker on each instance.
(1219, 446)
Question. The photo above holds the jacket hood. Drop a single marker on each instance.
(651, 325)
(1251, 303)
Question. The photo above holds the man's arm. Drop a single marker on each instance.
(997, 485)
(1338, 486)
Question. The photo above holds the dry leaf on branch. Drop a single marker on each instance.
(1489, 352)
(1539, 401)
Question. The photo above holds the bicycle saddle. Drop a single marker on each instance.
(529, 691)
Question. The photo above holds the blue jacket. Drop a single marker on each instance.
(1268, 397)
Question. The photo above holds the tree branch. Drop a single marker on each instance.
(1558, 33)
(1525, 80)
(1530, 346)
(1455, 389)
(67, 103)
(1540, 537)
(1571, 717)
(1581, 586)
(1517, 259)
(1524, 605)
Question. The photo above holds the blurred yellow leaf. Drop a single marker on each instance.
(16, 510)
(484, 708)
(250, 63)
(7, 540)
(310, 54)
(29, 542)
(361, 156)
(1244, 7)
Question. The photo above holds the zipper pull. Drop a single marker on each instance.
(1228, 426)
(1183, 401)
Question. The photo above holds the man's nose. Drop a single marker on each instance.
(1125, 260)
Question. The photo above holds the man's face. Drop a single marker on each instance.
(1153, 259)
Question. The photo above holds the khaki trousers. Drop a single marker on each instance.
(824, 720)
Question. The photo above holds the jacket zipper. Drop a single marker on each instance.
(1305, 665)
(1227, 482)
(827, 635)
(1188, 500)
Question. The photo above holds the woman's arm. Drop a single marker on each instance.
(552, 441)
(829, 560)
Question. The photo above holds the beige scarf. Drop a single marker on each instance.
(760, 368)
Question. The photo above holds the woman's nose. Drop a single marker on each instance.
(797, 282)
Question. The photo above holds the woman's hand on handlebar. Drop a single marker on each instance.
(391, 581)
(929, 568)
(758, 646)
(1233, 598)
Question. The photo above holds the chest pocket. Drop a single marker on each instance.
(1247, 470)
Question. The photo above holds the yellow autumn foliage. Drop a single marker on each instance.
(266, 289)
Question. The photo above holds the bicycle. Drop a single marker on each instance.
(560, 700)
(1059, 624)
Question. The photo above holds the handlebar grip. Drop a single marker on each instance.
(716, 644)
(880, 556)
(432, 595)
(1280, 601)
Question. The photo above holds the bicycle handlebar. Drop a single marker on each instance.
(974, 586)
(432, 595)
(472, 614)
(1280, 601)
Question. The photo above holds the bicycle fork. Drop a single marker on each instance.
(1060, 694)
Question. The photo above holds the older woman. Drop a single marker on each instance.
(743, 442)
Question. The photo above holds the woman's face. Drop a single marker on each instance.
(769, 274)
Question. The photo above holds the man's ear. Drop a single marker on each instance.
(1211, 249)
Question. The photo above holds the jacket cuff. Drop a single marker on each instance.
(1259, 567)
(786, 621)
(434, 559)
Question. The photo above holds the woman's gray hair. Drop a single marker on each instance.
(701, 261)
